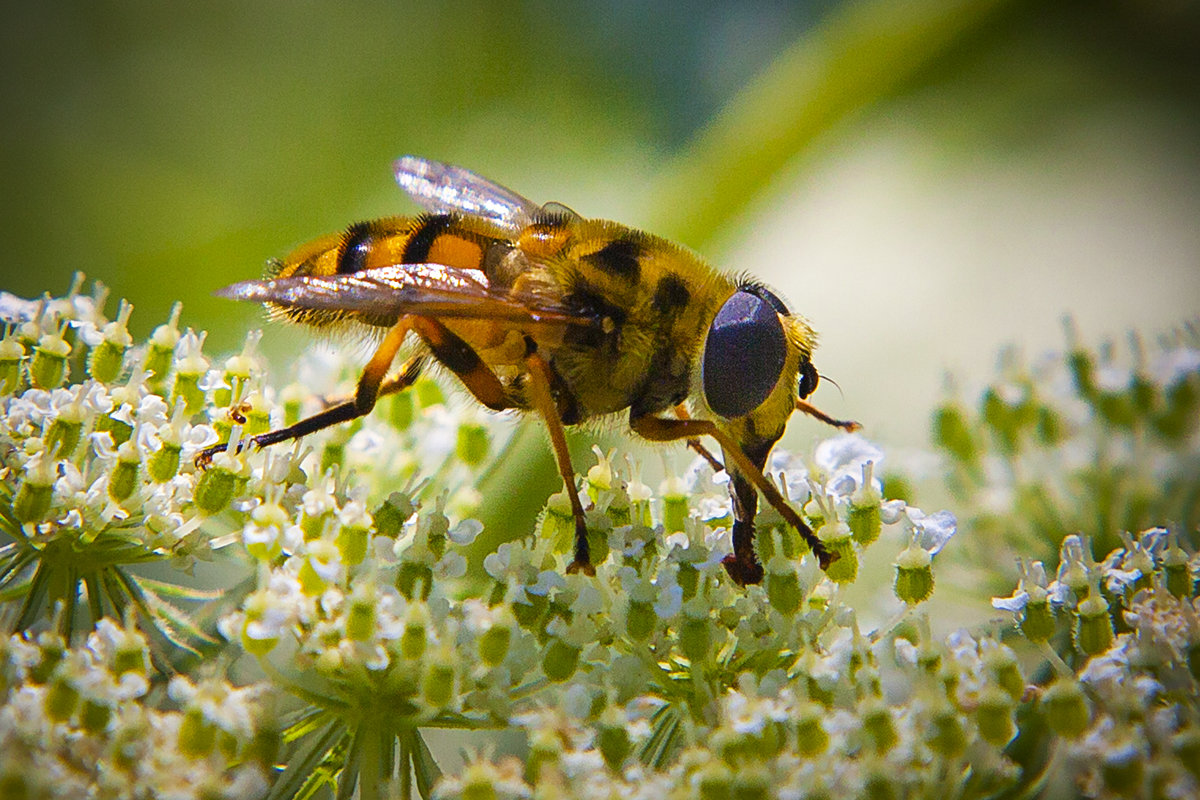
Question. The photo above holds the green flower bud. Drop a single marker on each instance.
(675, 505)
(493, 644)
(63, 436)
(612, 741)
(545, 749)
(1186, 746)
(107, 359)
(716, 781)
(783, 587)
(838, 540)
(751, 783)
(1003, 666)
(994, 717)
(1177, 571)
(695, 634)
(321, 552)
(360, 619)
(529, 611)
(392, 514)
(196, 734)
(48, 367)
(1038, 621)
(352, 541)
(11, 354)
(1123, 771)
(214, 489)
(34, 494)
(688, 579)
(160, 351)
(946, 735)
(560, 660)
(415, 636)
(427, 392)
(880, 729)
(123, 479)
(914, 575)
(187, 388)
(94, 717)
(640, 620)
(811, 737)
(879, 785)
(950, 432)
(115, 428)
(1066, 709)
(401, 410)
(438, 686)
(863, 518)
(472, 444)
(61, 700)
(412, 577)
(163, 465)
(1093, 630)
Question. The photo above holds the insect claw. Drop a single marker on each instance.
(742, 573)
(586, 567)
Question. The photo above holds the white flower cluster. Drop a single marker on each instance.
(78, 722)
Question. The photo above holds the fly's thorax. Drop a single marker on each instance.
(650, 300)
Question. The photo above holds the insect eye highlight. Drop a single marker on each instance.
(744, 355)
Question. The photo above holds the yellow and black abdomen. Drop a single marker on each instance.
(653, 301)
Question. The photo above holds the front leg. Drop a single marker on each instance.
(743, 565)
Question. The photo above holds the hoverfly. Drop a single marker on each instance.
(536, 308)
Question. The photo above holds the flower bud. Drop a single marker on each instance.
(1177, 571)
(863, 518)
(438, 686)
(612, 740)
(1002, 664)
(160, 351)
(123, 479)
(196, 734)
(415, 636)
(1093, 631)
(63, 436)
(190, 368)
(257, 639)
(319, 568)
(1123, 771)
(472, 444)
(914, 574)
(392, 514)
(1066, 709)
(640, 620)
(401, 410)
(838, 540)
(352, 541)
(493, 644)
(716, 781)
(811, 737)
(61, 700)
(1037, 623)
(880, 729)
(214, 489)
(946, 735)
(994, 717)
(163, 464)
(560, 660)
(783, 586)
(360, 618)
(94, 717)
(107, 359)
(951, 433)
(695, 634)
(675, 505)
(11, 354)
(34, 493)
(48, 367)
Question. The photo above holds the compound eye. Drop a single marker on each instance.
(743, 355)
(808, 380)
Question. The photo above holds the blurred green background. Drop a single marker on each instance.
(925, 180)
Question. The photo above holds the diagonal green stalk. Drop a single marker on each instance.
(865, 54)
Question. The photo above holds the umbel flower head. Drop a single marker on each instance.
(352, 579)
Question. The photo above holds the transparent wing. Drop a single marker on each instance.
(380, 296)
(444, 188)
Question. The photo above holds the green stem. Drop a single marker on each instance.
(372, 772)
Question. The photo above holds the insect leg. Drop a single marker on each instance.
(370, 387)
(541, 378)
(845, 424)
(695, 444)
(460, 358)
(746, 568)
